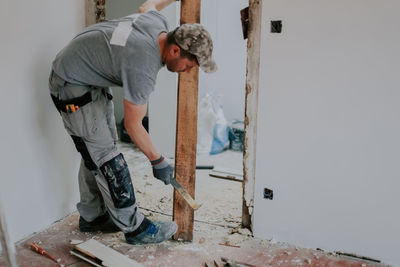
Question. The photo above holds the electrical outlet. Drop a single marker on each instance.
(268, 193)
(276, 26)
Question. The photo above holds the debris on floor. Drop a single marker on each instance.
(224, 262)
(217, 232)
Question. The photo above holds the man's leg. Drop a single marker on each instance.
(91, 204)
(90, 130)
(115, 183)
(93, 214)
(92, 137)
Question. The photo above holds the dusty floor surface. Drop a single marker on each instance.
(217, 227)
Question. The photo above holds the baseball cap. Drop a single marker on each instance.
(197, 41)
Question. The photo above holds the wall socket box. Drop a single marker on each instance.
(268, 193)
(276, 26)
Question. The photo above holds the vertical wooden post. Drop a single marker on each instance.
(251, 105)
(186, 134)
(95, 11)
(7, 247)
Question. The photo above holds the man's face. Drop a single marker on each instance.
(180, 64)
(175, 63)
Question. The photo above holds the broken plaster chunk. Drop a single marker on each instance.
(308, 261)
(363, 265)
(288, 253)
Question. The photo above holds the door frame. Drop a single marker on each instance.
(95, 12)
(251, 109)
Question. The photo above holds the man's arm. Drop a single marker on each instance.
(154, 4)
(133, 116)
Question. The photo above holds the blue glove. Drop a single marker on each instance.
(162, 170)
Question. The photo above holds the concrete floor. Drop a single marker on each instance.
(217, 231)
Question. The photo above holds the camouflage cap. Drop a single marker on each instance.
(197, 41)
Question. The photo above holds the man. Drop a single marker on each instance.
(127, 52)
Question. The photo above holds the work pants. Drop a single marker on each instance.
(104, 179)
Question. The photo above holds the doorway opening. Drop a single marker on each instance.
(222, 199)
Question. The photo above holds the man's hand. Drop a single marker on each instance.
(162, 170)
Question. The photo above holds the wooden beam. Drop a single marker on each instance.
(90, 12)
(186, 134)
(95, 11)
(251, 105)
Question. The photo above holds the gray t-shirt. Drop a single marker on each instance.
(121, 52)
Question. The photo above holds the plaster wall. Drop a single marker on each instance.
(328, 126)
(38, 161)
(222, 19)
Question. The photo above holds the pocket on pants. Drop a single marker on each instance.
(88, 118)
(78, 122)
(119, 182)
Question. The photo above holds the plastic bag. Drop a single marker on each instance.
(213, 130)
(205, 125)
(236, 135)
(221, 133)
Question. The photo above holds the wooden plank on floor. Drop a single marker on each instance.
(108, 256)
(226, 176)
(186, 134)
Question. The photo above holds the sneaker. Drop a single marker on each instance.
(102, 223)
(151, 232)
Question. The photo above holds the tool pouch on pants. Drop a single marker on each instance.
(119, 182)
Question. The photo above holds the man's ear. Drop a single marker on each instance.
(175, 51)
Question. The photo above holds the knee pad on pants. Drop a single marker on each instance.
(119, 181)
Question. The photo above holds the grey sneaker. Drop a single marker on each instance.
(102, 223)
(151, 232)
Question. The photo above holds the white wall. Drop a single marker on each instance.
(328, 126)
(222, 19)
(39, 164)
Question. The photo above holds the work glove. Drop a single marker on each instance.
(162, 170)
